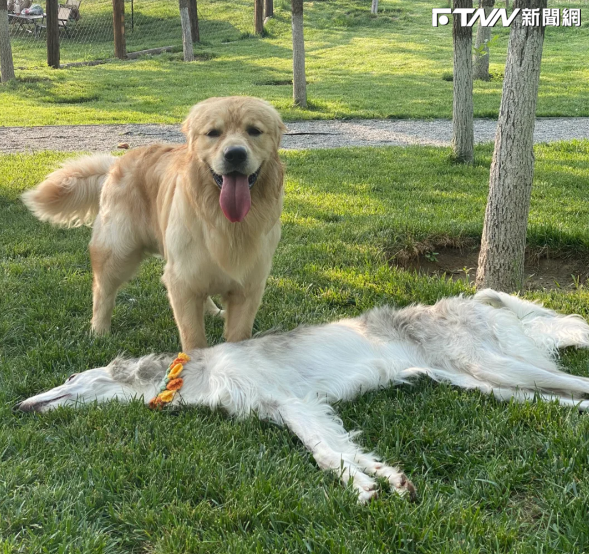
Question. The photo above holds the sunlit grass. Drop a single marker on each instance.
(492, 477)
(357, 66)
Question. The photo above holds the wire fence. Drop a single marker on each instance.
(88, 34)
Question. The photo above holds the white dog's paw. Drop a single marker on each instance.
(397, 480)
(366, 487)
(402, 486)
(366, 496)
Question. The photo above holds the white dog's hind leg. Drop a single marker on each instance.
(332, 447)
(503, 371)
(510, 390)
(528, 396)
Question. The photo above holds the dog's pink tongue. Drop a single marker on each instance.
(235, 197)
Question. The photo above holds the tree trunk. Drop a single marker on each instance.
(501, 261)
(6, 65)
(186, 31)
(298, 55)
(374, 7)
(53, 54)
(118, 21)
(462, 113)
(258, 16)
(481, 56)
(269, 8)
(193, 13)
(507, 5)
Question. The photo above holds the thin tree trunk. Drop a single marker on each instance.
(507, 5)
(374, 7)
(481, 56)
(268, 8)
(501, 260)
(462, 113)
(118, 23)
(186, 32)
(258, 16)
(6, 65)
(51, 14)
(298, 55)
(193, 12)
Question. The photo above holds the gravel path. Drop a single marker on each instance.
(300, 134)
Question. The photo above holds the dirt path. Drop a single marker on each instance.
(300, 135)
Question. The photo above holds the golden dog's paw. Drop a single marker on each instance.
(212, 309)
(99, 331)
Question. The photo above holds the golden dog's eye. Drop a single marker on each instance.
(214, 133)
(253, 132)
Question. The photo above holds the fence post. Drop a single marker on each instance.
(258, 16)
(193, 12)
(118, 22)
(6, 65)
(186, 32)
(51, 9)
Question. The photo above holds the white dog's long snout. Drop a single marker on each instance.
(46, 401)
(41, 403)
(88, 386)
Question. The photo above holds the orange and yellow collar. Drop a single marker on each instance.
(171, 383)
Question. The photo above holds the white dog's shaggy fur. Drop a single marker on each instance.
(493, 342)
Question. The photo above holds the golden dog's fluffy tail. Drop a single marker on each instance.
(71, 195)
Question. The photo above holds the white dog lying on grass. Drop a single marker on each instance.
(493, 342)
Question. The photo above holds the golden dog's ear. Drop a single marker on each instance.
(281, 130)
(190, 125)
(280, 127)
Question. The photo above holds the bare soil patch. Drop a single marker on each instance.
(541, 271)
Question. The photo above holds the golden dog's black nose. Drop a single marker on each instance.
(235, 154)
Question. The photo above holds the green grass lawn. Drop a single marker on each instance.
(492, 477)
(357, 66)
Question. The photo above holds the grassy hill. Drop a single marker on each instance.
(358, 66)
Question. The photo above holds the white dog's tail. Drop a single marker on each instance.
(547, 328)
(521, 308)
(71, 195)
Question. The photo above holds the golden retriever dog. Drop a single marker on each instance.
(211, 208)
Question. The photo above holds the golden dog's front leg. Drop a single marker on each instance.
(240, 312)
(110, 272)
(189, 310)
